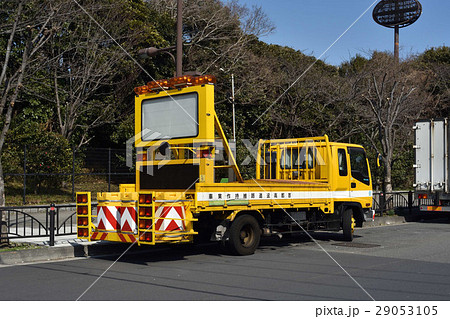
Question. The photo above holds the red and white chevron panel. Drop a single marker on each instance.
(116, 218)
(172, 221)
(108, 218)
(127, 218)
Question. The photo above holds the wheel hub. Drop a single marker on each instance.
(246, 235)
(353, 224)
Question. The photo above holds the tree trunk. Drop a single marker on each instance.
(3, 227)
(387, 185)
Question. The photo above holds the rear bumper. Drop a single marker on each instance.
(425, 208)
(369, 215)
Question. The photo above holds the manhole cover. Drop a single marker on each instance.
(357, 245)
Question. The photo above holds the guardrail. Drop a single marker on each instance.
(38, 221)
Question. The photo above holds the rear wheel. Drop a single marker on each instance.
(348, 224)
(245, 234)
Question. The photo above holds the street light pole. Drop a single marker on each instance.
(234, 146)
(232, 99)
(180, 38)
(179, 46)
(231, 176)
(152, 51)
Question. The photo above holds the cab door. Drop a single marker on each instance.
(360, 181)
(343, 175)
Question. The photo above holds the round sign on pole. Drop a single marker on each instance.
(397, 13)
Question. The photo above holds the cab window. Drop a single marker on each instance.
(342, 160)
(358, 165)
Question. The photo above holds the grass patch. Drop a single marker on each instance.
(18, 246)
(390, 212)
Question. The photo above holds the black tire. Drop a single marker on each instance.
(347, 225)
(244, 237)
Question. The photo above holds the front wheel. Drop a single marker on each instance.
(348, 224)
(245, 234)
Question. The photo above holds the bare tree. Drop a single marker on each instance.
(90, 69)
(216, 34)
(318, 102)
(437, 61)
(28, 30)
(27, 27)
(392, 97)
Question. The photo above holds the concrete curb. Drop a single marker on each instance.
(62, 252)
(40, 254)
(385, 221)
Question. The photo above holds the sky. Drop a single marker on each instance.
(312, 26)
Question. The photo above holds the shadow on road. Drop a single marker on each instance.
(152, 254)
(417, 216)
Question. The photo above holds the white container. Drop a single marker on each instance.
(432, 155)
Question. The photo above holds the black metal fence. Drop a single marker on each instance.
(32, 169)
(385, 202)
(39, 221)
(55, 220)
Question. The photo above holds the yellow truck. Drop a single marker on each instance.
(182, 191)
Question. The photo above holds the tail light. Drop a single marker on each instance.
(204, 154)
(141, 157)
(145, 199)
(145, 211)
(145, 223)
(82, 221)
(423, 196)
(83, 232)
(82, 198)
(145, 236)
(82, 210)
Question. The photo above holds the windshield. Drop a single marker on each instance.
(358, 164)
(173, 116)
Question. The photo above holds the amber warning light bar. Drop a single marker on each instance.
(175, 83)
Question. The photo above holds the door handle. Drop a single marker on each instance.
(353, 185)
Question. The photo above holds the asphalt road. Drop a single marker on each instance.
(404, 262)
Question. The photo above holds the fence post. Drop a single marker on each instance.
(52, 224)
(24, 174)
(109, 169)
(4, 240)
(73, 175)
(410, 201)
(382, 203)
